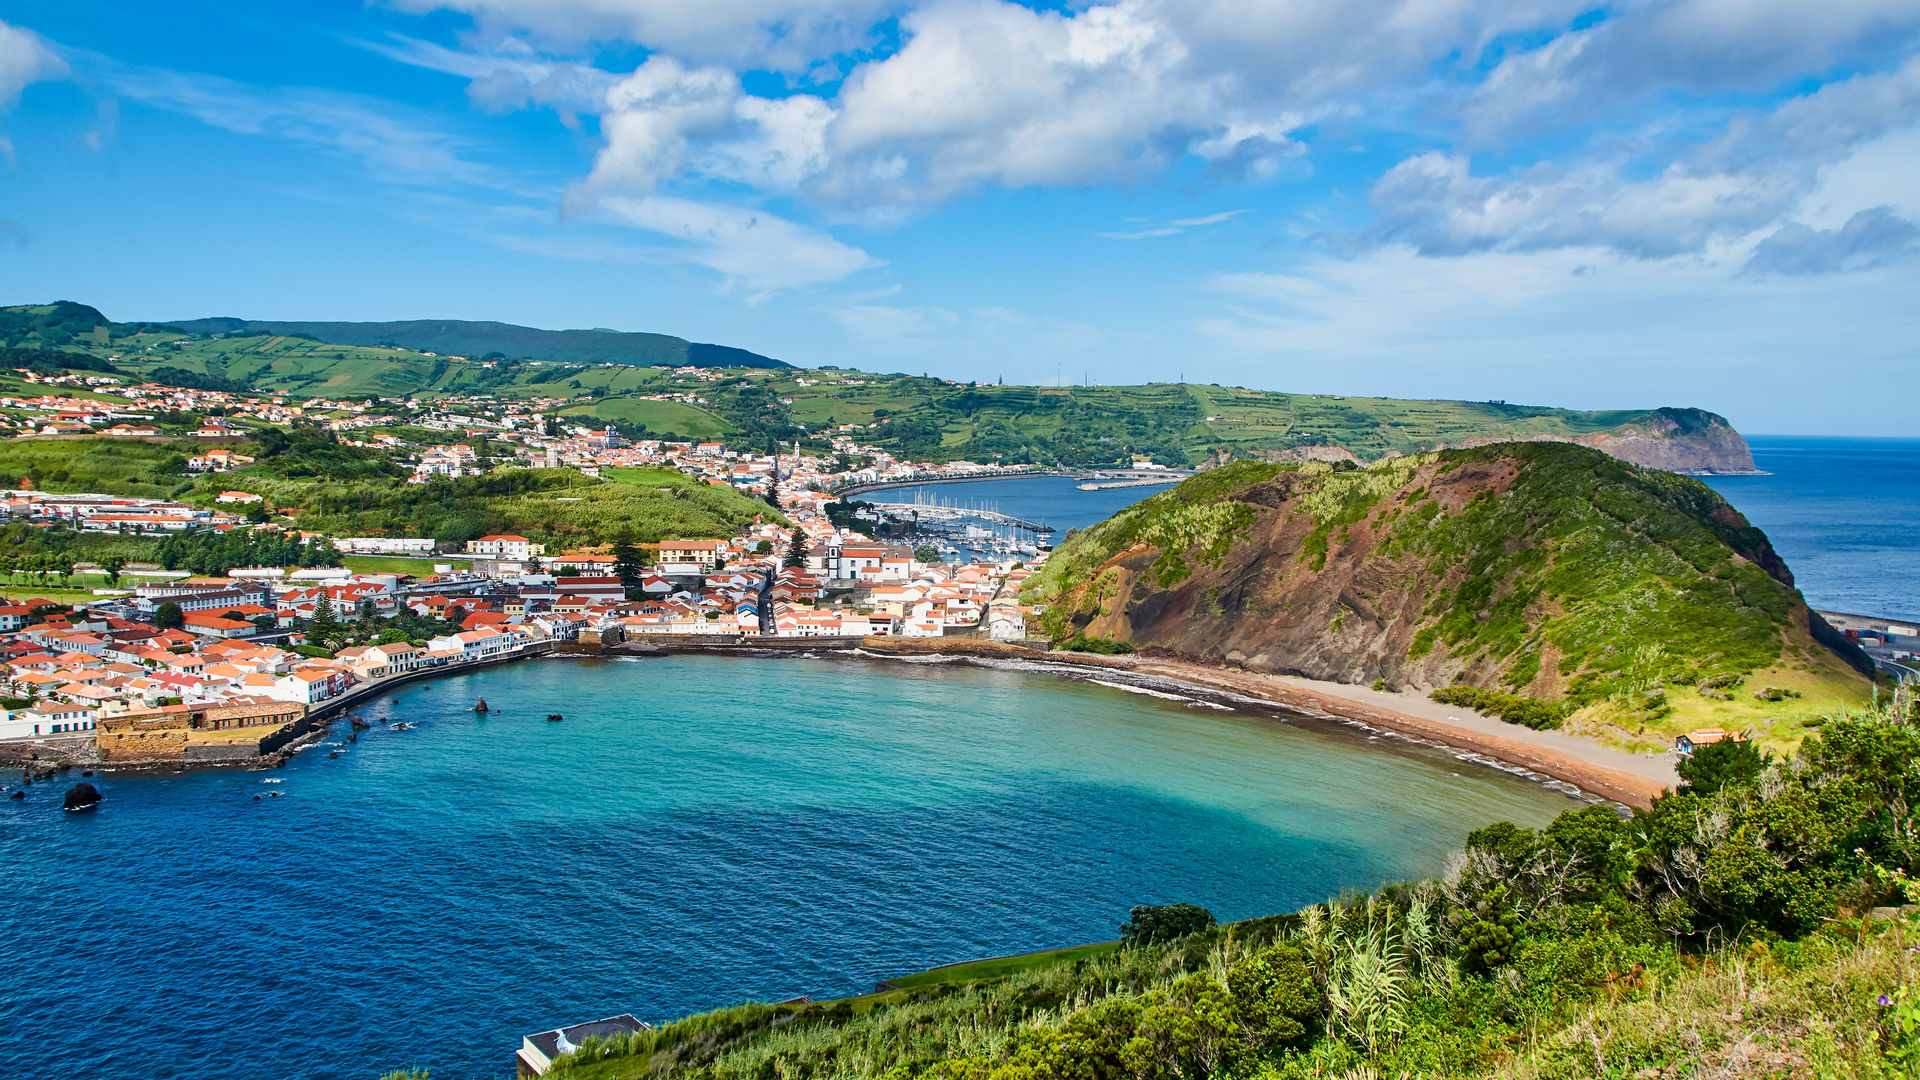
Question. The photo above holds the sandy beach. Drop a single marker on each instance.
(1631, 779)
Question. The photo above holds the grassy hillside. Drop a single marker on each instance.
(503, 340)
(1721, 933)
(915, 417)
(1635, 601)
(346, 491)
(1183, 423)
(553, 506)
(147, 468)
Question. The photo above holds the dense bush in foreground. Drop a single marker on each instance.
(1587, 948)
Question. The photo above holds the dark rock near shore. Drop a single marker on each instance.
(481, 706)
(82, 796)
(358, 723)
(553, 716)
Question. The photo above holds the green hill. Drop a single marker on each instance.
(482, 339)
(1190, 424)
(1564, 583)
(605, 376)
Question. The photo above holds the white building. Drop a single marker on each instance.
(505, 546)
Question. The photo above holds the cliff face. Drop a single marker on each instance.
(1542, 568)
(1677, 440)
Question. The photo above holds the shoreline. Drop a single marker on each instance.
(1613, 775)
(1595, 771)
(1631, 780)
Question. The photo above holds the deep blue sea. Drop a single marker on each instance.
(697, 831)
(1844, 513)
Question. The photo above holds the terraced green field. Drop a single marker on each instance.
(1180, 424)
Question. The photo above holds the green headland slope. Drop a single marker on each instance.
(1585, 587)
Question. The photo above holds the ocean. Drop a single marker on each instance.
(1843, 513)
(697, 831)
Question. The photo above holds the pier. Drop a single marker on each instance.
(938, 512)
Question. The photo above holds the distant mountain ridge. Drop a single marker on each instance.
(461, 337)
(626, 378)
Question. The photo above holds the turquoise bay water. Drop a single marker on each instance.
(697, 831)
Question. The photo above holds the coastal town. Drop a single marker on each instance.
(169, 666)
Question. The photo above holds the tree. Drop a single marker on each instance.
(113, 564)
(168, 616)
(1715, 765)
(325, 625)
(1155, 923)
(1275, 995)
(927, 553)
(627, 560)
(797, 549)
(257, 512)
(764, 547)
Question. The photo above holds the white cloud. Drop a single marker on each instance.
(348, 125)
(986, 92)
(779, 35)
(1869, 239)
(24, 58)
(1695, 46)
(509, 76)
(989, 92)
(763, 252)
(652, 119)
(1750, 177)
(887, 329)
(1170, 228)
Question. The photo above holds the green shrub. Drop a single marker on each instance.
(1513, 708)
(1153, 924)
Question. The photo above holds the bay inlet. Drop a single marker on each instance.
(700, 830)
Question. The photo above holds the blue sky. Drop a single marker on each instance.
(1691, 202)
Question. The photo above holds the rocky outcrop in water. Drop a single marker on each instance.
(82, 796)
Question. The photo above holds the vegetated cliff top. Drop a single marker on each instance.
(64, 324)
(1629, 598)
(914, 416)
